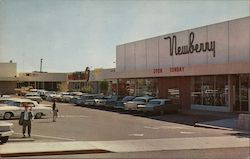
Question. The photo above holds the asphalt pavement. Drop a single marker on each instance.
(88, 124)
(101, 126)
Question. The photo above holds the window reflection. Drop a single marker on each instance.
(210, 90)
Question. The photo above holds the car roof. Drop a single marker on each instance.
(144, 97)
(21, 100)
(160, 100)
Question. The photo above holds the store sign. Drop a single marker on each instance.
(80, 75)
(191, 47)
(177, 69)
(157, 70)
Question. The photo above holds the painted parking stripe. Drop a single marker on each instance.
(139, 135)
(49, 137)
(72, 116)
(186, 132)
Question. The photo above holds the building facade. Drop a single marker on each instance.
(205, 68)
(42, 80)
(8, 79)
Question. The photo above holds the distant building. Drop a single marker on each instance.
(42, 80)
(8, 80)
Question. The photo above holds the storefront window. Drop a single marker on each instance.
(196, 93)
(221, 91)
(139, 87)
(210, 90)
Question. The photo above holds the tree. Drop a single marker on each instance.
(87, 89)
(104, 85)
(63, 87)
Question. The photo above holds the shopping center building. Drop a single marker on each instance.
(205, 68)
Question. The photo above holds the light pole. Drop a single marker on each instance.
(41, 65)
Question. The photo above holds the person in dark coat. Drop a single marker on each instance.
(25, 119)
(55, 111)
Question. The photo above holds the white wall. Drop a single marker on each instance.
(232, 40)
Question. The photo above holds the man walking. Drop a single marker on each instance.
(25, 119)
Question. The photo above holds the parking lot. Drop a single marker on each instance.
(77, 123)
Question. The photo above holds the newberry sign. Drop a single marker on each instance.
(191, 47)
(222, 43)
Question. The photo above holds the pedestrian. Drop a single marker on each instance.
(25, 119)
(55, 111)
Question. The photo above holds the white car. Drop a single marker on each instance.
(159, 106)
(5, 131)
(13, 109)
(132, 105)
(34, 96)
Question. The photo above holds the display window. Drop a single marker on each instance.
(210, 90)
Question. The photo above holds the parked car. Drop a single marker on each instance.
(4, 100)
(14, 108)
(100, 100)
(132, 105)
(53, 96)
(112, 100)
(66, 98)
(90, 100)
(42, 93)
(5, 131)
(74, 99)
(159, 106)
(120, 104)
(81, 100)
(34, 96)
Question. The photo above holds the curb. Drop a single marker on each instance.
(49, 153)
(21, 140)
(211, 126)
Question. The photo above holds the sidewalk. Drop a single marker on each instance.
(81, 147)
(224, 124)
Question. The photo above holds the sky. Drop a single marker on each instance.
(72, 34)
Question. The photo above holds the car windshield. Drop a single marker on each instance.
(13, 103)
(139, 100)
(128, 98)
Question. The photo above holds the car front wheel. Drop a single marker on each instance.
(4, 139)
(38, 116)
(7, 116)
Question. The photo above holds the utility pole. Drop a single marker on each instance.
(41, 65)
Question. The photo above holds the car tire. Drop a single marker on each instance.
(7, 116)
(4, 139)
(38, 115)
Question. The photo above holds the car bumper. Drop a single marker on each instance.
(6, 133)
(145, 109)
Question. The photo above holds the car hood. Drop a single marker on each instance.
(3, 123)
(6, 107)
(44, 105)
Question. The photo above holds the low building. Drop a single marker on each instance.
(78, 80)
(8, 80)
(42, 80)
(205, 68)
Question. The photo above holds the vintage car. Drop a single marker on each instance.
(132, 105)
(5, 131)
(33, 96)
(13, 109)
(159, 106)
(120, 104)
